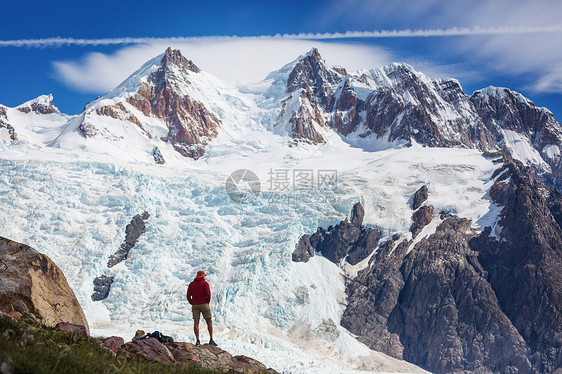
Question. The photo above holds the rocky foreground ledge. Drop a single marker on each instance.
(186, 354)
(43, 329)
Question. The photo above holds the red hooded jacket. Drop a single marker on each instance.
(198, 292)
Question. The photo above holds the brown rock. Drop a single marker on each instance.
(248, 365)
(420, 197)
(113, 343)
(150, 349)
(214, 357)
(421, 218)
(33, 286)
(72, 328)
(183, 353)
(191, 125)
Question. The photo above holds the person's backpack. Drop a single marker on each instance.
(160, 337)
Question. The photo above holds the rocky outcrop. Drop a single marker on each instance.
(158, 158)
(463, 301)
(311, 86)
(32, 286)
(524, 268)
(113, 343)
(102, 285)
(132, 233)
(420, 196)
(149, 349)
(191, 125)
(347, 240)
(186, 354)
(41, 105)
(421, 218)
(4, 124)
(303, 251)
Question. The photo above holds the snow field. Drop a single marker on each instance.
(283, 313)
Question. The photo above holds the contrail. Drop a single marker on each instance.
(405, 33)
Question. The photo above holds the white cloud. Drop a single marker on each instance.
(231, 59)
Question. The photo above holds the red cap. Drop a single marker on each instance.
(201, 273)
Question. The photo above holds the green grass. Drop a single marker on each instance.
(32, 348)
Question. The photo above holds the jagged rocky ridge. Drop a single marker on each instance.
(460, 300)
(168, 101)
(405, 106)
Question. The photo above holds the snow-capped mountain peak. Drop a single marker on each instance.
(156, 106)
(40, 105)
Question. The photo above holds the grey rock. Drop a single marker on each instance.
(132, 233)
(72, 328)
(303, 251)
(102, 285)
(420, 197)
(348, 239)
(158, 158)
(357, 214)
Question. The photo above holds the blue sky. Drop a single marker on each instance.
(517, 44)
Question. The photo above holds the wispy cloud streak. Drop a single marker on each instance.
(406, 33)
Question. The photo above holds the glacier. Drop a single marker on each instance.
(283, 313)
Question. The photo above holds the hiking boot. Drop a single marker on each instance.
(197, 342)
(212, 342)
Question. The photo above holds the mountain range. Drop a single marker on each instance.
(441, 244)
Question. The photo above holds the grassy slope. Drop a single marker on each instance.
(37, 349)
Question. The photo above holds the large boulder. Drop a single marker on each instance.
(150, 349)
(32, 286)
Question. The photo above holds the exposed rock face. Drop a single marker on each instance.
(420, 197)
(12, 135)
(102, 285)
(347, 240)
(303, 251)
(524, 268)
(311, 86)
(186, 354)
(191, 125)
(502, 109)
(32, 286)
(162, 94)
(41, 105)
(406, 106)
(411, 107)
(158, 158)
(420, 219)
(132, 233)
(462, 301)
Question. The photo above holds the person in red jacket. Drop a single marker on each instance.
(199, 296)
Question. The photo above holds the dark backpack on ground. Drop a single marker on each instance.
(160, 337)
